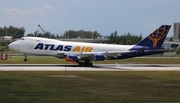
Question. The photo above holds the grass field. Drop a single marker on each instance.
(54, 60)
(89, 87)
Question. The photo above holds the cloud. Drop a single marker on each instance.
(19, 13)
(65, 11)
(16, 12)
(48, 7)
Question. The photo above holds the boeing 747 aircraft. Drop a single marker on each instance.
(85, 53)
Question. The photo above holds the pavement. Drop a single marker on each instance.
(96, 67)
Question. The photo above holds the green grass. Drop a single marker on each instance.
(89, 87)
(53, 60)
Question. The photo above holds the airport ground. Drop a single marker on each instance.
(89, 87)
(112, 85)
(54, 60)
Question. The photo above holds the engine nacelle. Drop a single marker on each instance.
(74, 57)
(99, 57)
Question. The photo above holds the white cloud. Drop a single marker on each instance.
(65, 11)
(48, 7)
(18, 13)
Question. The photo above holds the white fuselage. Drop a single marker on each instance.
(44, 46)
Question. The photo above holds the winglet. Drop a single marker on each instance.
(156, 38)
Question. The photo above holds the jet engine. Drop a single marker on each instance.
(99, 57)
(74, 57)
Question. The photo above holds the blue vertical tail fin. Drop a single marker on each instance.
(156, 38)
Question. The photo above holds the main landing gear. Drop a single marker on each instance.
(25, 57)
(85, 62)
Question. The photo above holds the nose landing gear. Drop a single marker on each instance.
(25, 57)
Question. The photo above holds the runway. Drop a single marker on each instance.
(96, 67)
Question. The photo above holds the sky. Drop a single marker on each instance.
(103, 16)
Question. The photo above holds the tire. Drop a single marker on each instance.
(25, 60)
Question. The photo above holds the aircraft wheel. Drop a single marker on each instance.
(90, 64)
(81, 64)
(25, 59)
(85, 64)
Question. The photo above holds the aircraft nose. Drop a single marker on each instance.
(14, 46)
(10, 46)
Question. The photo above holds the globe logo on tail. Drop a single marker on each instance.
(159, 34)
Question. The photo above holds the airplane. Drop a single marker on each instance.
(84, 53)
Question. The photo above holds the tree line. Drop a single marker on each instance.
(126, 39)
(81, 34)
(114, 38)
(70, 34)
(45, 35)
(15, 32)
